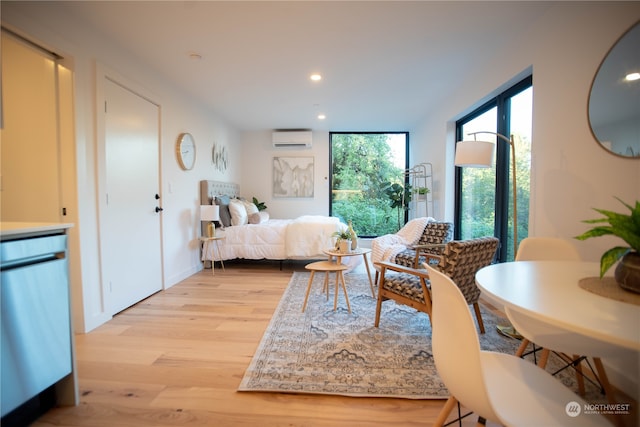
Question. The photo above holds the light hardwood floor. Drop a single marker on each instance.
(177, 358)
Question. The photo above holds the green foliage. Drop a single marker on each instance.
(342, 235)
(260, 205)
(626, 227)
(362, 166)
(399, 198)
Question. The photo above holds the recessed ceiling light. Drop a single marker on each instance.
(195, 56)
(321, 116)
(632, 76)
(316, 77)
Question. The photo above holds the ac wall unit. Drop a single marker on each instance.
(292, 139)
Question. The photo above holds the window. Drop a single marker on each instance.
(484, 197)
(364, 167)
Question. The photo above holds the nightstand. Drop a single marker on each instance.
(206, 241)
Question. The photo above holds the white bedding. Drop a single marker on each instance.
(302, 238)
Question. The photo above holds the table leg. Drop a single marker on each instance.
(366, 264)
(306, 296)
(219, 256)
(326, 284)
(335, 291)
(344, 289)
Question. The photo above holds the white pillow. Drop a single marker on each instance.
(250, 207)
(238, 212)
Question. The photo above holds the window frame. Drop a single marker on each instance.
(502, 165)
(406, 165)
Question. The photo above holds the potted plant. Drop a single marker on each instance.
(421, 192)
(343, 239)
(626, 227)
(260, 205)
(399, 198)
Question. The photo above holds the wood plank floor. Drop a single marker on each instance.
(177, 358)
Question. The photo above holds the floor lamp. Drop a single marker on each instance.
(479, 154)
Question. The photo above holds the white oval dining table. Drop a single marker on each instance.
(549, 292)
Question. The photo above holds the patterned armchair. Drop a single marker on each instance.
(430, 240)
(430, 246)
(460, 261)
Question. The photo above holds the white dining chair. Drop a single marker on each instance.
(567, 343)
(495, 386)
(544, 249)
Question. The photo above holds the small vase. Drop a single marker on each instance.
(627, 272)
(354, 237)
(343, 247)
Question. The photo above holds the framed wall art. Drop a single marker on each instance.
(219, 157)
(293, 177)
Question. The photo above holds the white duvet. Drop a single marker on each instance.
(302, 238)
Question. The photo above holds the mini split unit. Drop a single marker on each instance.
(292, 139)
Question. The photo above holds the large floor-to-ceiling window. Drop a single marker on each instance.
(484, 196)
(368, 180)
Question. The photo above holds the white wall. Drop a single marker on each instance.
(571, 173)
(84, 53)
(257, 174)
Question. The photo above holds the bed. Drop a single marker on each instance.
(257, 236)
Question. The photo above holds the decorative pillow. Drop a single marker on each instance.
(225, 215)
(238, 212)
(250, 207)
(259, 217)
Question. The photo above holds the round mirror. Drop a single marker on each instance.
(614, 101)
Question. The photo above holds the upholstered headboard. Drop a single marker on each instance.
(210, 189)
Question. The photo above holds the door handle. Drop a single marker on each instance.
(159, 209)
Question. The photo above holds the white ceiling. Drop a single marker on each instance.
(386, 65)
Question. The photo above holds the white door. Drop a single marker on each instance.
(130, 232)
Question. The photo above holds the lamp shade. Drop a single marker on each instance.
(209, 213)
(477, 154)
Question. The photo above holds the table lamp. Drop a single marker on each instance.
(210, 213)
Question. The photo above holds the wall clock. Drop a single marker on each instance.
(186, 151)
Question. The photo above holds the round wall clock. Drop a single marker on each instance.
(186, 151)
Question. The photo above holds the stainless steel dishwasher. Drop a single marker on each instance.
(36, 340)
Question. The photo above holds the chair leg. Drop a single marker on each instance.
(378, 308)
(445, 411)
(579, 375)
(544, 358)
(523, 346)
(476, 308)
(604, 380)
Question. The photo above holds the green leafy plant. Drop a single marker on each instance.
(399, 198)
(260, 205)
(342, 235)
(624, 226)
(421, 190)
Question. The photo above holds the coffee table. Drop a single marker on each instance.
(333, 253)
(327, 267)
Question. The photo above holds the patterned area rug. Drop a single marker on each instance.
(333, 352)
